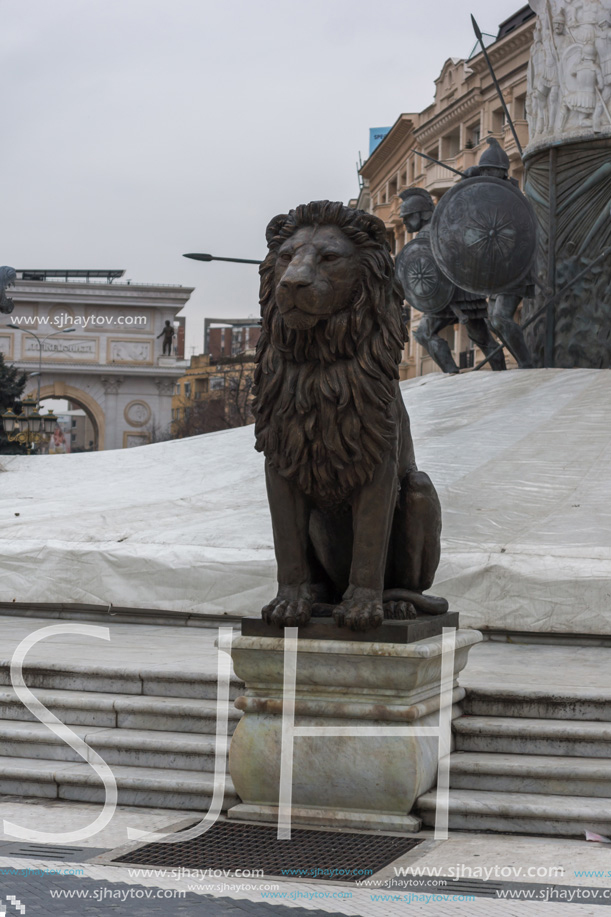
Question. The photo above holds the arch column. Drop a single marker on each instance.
(111, 391)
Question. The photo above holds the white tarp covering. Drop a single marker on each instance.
(521, 460)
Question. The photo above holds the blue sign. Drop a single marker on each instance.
(376, 136)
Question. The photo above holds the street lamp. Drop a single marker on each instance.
(198, 257)
(40, 342)
(30, 428)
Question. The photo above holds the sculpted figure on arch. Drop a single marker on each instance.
(356, 525)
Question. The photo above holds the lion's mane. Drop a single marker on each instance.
(323, 397)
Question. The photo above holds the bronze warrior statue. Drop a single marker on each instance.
(356, 524)
(484, 239)
(494, 163)
(427, 290)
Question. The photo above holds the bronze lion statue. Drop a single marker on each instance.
(356, 525)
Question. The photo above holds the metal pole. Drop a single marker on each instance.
(39, 372)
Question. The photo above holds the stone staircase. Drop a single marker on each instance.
(154, 728)
(532, 761)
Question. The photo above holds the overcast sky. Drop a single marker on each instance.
(136, 130)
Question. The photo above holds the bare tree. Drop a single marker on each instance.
(222, 409)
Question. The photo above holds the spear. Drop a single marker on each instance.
(438, 163)
(480, 38)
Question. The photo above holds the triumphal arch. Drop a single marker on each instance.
(97, 341)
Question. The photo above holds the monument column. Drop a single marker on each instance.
(111, 392)
(568, 180)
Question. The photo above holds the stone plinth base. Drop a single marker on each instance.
(366, 782)
(329, 818)
(389, 632)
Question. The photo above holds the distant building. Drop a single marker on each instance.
(229, 337)
(110, 364)
(213, 394)
(453, 129)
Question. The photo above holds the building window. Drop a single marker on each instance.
(474, 134)
(450, 145)
(217, 383)
(187, 389)
(498, 121)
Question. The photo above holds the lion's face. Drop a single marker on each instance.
(316, 274)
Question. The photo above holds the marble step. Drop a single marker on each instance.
(158, 681)
(540, 774)
(560, 703)
(137, 786)
(130, 747)
(125, 711)
(521, 813)
(522, 736)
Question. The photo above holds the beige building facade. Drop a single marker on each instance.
(453, 129)
(215, 393)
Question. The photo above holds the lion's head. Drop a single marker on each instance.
(327, 358)
(325, 258)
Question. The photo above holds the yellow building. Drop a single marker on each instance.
(214, 394)
(452, 129)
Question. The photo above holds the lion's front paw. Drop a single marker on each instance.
(292, 607)
(363, 610)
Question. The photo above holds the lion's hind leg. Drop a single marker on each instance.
(415, 544)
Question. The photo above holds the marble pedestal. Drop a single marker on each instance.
(341, 781)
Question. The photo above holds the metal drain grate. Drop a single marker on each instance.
(51, 852)
(312, 854)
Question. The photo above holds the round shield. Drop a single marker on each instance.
(424, 285)
(484, 235)
(571, 58)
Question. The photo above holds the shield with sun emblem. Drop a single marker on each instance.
(424, 285)
(484, 235)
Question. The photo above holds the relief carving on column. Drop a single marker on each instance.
(569, 75)
(165, 386)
